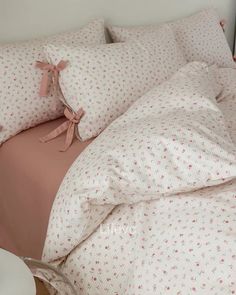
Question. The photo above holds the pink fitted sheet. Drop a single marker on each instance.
(30, 175)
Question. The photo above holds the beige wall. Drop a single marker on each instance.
(23, 19)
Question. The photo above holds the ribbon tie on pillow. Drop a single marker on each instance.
(54, 70)
(69, 125)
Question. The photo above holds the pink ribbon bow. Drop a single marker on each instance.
(69, 125)
(47, 69)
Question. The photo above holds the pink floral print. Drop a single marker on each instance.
(200, 36)
(140, 212)
(21, 107)
(105, 80)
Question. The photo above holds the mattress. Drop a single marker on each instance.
(30, 175)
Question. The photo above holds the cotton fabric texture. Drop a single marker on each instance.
(105, 80)
(154, 170)
(200, 36)
(21, 107)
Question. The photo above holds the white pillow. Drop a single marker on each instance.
(20, 104)
(105, 80)
(200, 36)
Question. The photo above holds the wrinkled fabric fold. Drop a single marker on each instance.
(166, 144)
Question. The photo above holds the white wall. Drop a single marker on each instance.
(23, 19)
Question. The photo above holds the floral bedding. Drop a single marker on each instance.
(149, 207)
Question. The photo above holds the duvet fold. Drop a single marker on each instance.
(172, 141)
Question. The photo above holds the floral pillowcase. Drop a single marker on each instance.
(200, 36)
(101, 82)
(21, 106)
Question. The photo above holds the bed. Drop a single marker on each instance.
(36, 200)
(32, 202)
(148, 205)
(23, 160)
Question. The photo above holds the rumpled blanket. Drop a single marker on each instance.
(149, 206)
